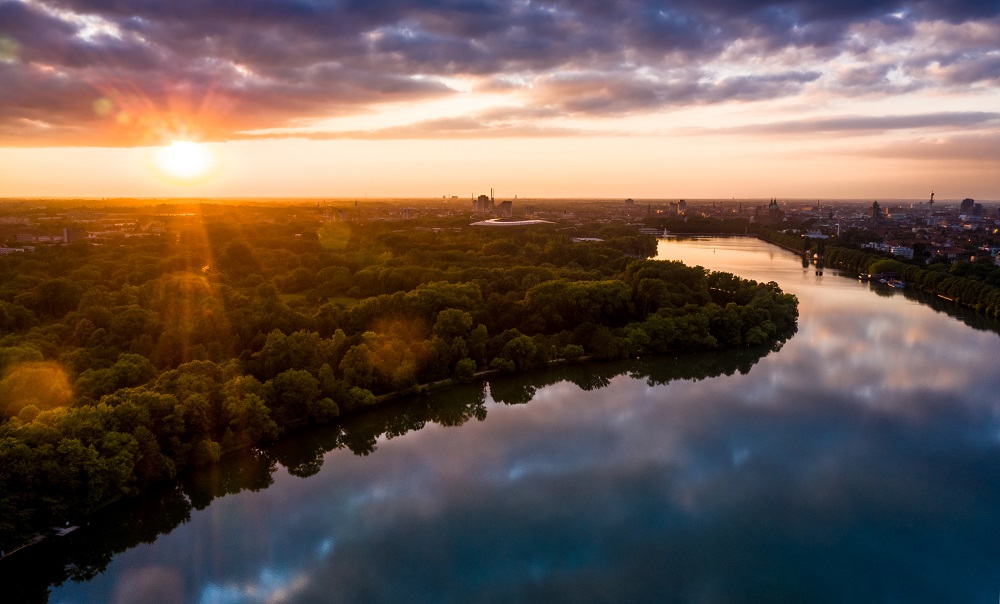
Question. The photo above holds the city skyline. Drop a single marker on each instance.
(623, 98)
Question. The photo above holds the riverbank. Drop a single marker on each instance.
(383, 403)
(509, 485)
(947, 282)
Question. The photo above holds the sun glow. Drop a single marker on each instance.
(185, 161)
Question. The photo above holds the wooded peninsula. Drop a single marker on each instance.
(126, 360)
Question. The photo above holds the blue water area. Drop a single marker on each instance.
(859, 461)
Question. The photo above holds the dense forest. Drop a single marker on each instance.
(127, 361)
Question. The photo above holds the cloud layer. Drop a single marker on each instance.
(111, 72)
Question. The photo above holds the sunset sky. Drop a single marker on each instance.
(590, 98)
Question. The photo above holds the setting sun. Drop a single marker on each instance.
(185, 160)
(527, 300)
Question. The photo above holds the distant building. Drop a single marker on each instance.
(876, 211)
(407, 213)
(681, 206)
(967, 206)
(70, 235)
(26, 238)
(482, 205)
(506, 208)
(629, 202)
(774, 214)
(902, 250)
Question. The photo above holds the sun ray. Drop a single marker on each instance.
(185, 161)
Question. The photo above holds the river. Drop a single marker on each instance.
(858, 462)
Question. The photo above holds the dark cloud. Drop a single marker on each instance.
(860, 124)
(603, 93)
(969, 148)
(812, 11)
(219, 67)
(978, 70)
(869, 77)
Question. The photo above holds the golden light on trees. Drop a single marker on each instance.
(43, 385)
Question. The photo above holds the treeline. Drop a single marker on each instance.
(700, 224)
(971, 284)
(126, 363)
(787, 240)
(975, 284)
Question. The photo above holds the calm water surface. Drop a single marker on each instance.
(858, 463)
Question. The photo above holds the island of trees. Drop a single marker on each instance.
(125, 362)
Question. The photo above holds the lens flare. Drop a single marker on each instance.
(334, 235)
(9, 49)
(40, 384)
(103, 106)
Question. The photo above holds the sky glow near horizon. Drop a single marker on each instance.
(618, 98)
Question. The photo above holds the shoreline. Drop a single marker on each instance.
(397, 397)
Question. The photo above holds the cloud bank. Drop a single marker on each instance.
(116, 72)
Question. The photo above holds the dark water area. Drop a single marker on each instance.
(857, 462)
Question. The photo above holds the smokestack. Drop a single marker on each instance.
(491, 193)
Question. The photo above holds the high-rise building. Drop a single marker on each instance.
(967, 206)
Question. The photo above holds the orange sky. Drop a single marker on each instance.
(626, 98)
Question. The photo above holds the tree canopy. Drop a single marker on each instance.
(125, 363)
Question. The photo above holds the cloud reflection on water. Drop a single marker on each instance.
(856, 464)
(627, 491)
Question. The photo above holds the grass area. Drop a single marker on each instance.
(345, 301)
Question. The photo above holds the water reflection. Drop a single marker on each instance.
(87, 553)
(858, 463)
